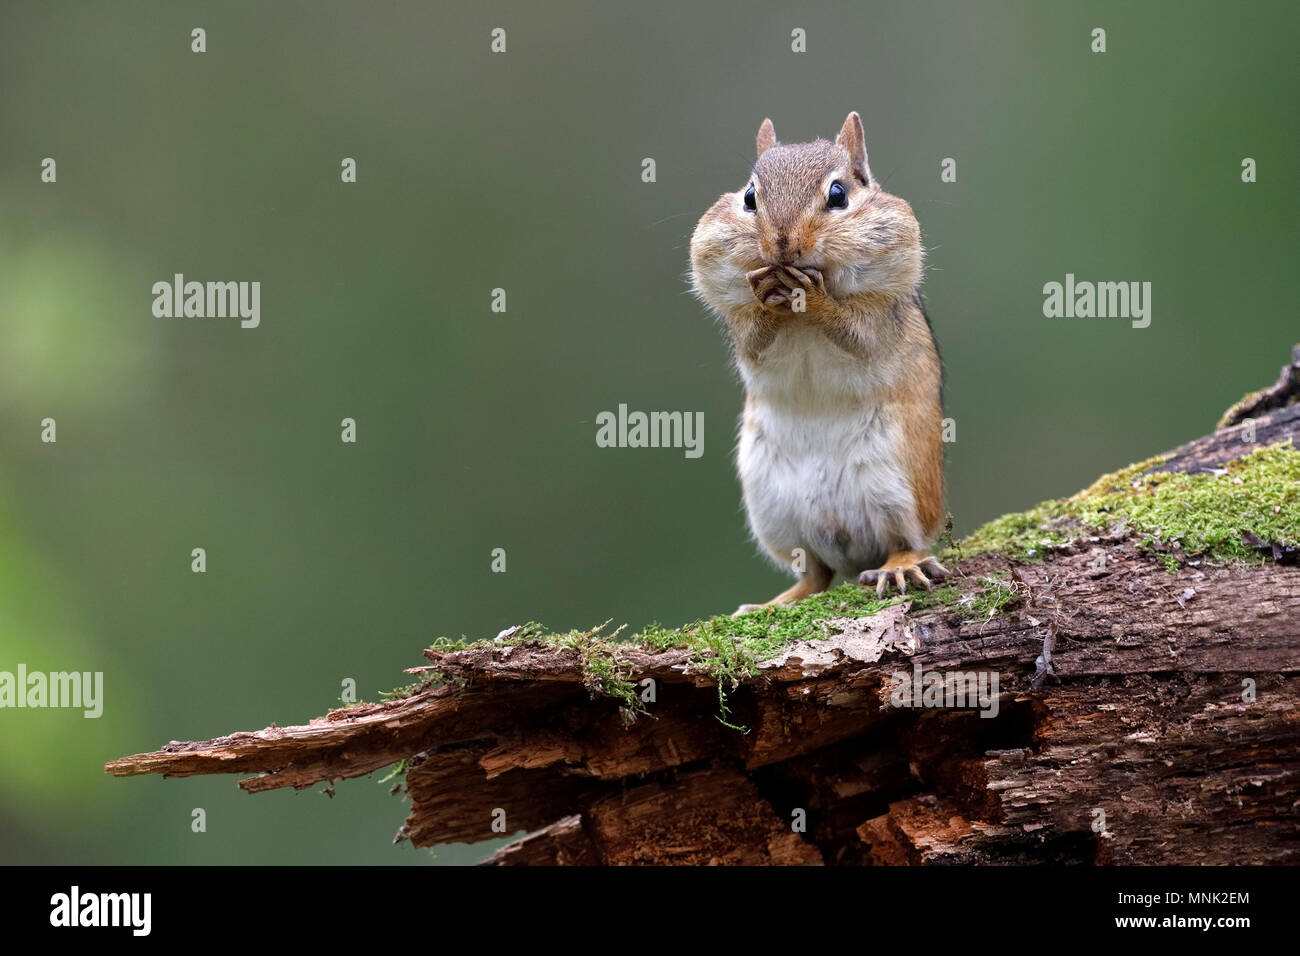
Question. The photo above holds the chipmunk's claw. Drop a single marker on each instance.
(767, 285)
(899, 568)
(931, 564)
(774, 286)
(808, 277)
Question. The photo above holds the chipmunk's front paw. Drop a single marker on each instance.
(770, 286)
(901, 566)
(809, 284)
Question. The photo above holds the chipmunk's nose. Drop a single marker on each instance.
(784, 253)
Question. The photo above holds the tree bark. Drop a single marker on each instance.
(1126, 730)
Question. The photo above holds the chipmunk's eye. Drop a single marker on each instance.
(751, 203)
(837, 197)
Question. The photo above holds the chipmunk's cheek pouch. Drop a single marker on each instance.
(852, 278)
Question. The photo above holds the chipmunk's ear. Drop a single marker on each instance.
(766, 137)
(852, 139)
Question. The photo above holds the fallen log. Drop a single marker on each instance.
(1110, 678)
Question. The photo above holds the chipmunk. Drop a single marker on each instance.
(815, 270)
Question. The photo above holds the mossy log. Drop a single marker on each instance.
(1147, 710)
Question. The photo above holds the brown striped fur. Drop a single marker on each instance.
(841, 453)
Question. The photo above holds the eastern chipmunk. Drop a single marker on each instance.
(815, 269)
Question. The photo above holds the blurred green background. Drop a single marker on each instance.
(476, 429)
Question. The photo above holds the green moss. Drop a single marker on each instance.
(943, 596)
(1204, 513)
(1232, 411)
(729, 649)
(768, 629)
(448, 645)
(992, 598)
(427, 680)
(1022, 535)
(605, 672)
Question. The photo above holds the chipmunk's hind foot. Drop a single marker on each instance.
(902, 566)
(809, 583)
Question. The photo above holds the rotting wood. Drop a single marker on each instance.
(1123, 732)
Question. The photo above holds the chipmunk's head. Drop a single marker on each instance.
(808, 204)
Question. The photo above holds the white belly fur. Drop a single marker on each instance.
(819, 456)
